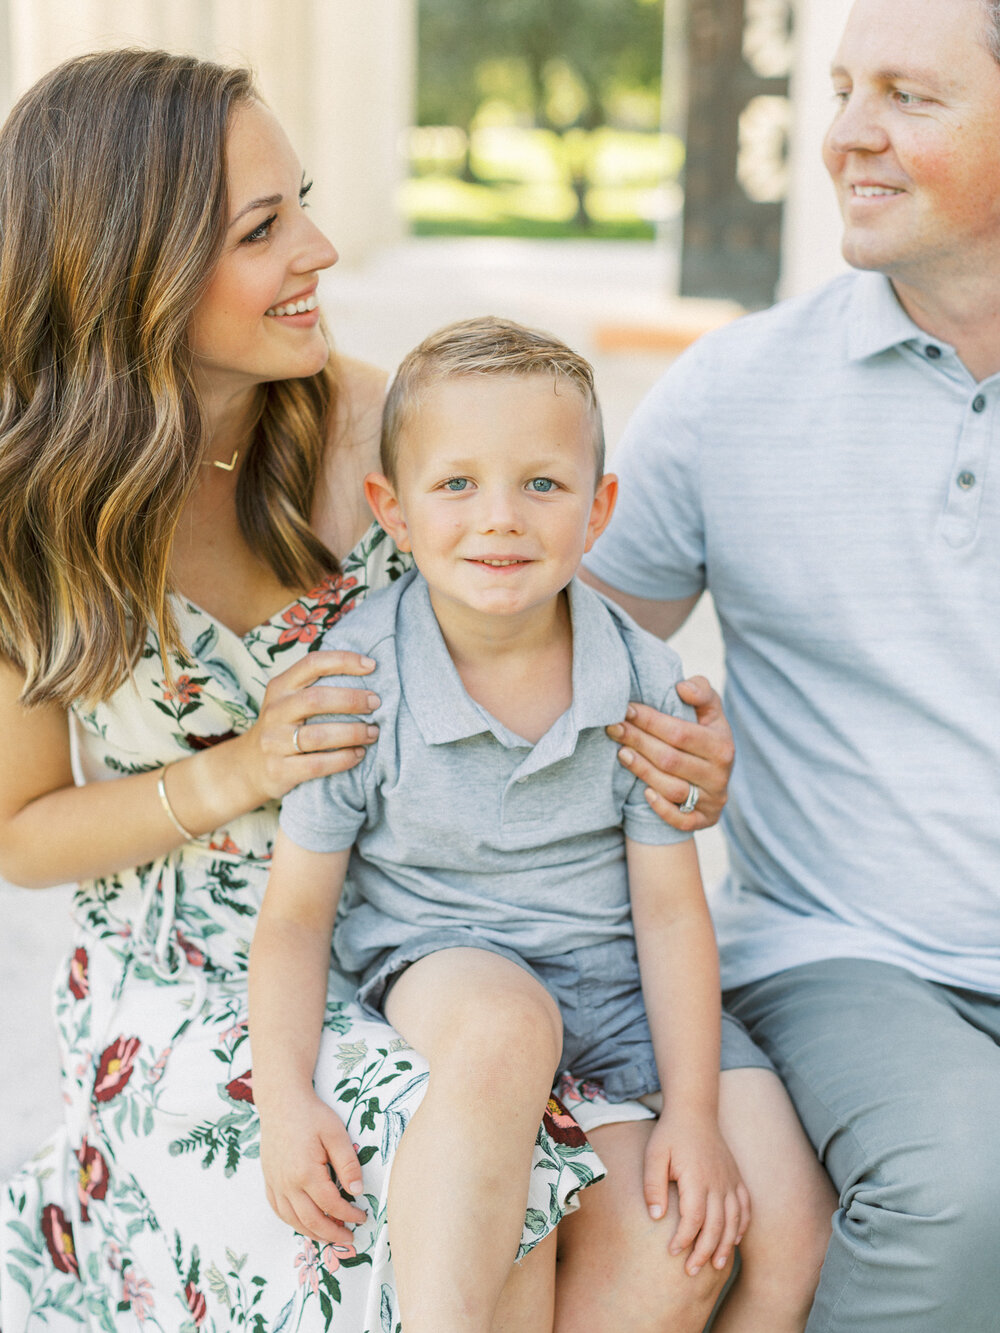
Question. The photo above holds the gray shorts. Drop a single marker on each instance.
(606, 1037)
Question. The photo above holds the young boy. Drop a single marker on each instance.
(508, 882)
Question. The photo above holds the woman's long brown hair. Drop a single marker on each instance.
(113, 210)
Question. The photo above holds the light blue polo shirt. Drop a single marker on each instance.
(456, 820)
(830, 473)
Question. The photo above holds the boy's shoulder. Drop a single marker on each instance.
(655, 666)
(371, 623)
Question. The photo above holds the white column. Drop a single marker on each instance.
(339, 75)
(811, 244)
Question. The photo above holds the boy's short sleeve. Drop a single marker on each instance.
(326, 814)
(657, 669)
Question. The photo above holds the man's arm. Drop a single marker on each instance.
(660, 618)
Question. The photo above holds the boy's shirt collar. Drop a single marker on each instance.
(444, 712)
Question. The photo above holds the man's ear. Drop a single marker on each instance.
(602, 508)
(381, 496)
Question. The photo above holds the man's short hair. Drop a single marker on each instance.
(484, 346)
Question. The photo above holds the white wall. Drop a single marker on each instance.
(811, 248)
(338, 73)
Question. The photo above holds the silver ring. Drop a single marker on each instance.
(295, 742)
(690, 800)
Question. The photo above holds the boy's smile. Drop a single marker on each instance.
(496, 494)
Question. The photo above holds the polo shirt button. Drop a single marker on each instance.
(966, 480)
(933, 352)
(979, 403)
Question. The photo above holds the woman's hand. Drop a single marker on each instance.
(283, 749)
(671, 756)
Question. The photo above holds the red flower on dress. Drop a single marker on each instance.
(303, 625)
(78, 965)
(115, 1069)
(241, 1089)
(139, 1294)
(183, 692)
(59, 1239)
(196, 1303)
(92, 1181)
(561, 1125)
(330, 589)
(191, 951)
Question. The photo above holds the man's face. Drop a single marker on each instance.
(914, 148)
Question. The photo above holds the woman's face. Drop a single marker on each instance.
(259, 317)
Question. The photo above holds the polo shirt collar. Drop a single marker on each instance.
(443, 712)
(877, 320)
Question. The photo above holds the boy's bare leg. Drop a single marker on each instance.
(615, 1270)
(459, 1186)
(792, 1202)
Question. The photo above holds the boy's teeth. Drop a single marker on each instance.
(872, 191)
(294, 307)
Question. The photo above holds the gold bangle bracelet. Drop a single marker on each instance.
(161, 788)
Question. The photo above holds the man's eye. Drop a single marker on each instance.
(456, 484)
(541, 485)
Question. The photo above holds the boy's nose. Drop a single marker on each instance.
(501, 513)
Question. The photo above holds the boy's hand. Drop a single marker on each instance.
(300, 1138)
(714, 1202)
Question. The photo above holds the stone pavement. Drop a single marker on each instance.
(589, 294)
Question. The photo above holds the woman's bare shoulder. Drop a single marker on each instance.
(341, 514)
(360, 410)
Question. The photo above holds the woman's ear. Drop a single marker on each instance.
(384, 504)
(602, 508)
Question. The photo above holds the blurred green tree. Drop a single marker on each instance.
(559, 63)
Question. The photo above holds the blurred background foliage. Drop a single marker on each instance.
(540, 118)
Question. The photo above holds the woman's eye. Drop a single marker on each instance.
(541, 485)
(262, 232)
(304, 190)
(456, 484)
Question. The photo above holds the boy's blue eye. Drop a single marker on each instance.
(541, 485)
(456, 484)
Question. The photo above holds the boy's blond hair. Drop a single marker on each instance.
(484, 346)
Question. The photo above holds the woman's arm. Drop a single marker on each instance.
(52, 832)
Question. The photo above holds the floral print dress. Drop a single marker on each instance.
(147, 1209)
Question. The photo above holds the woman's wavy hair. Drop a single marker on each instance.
(113, 212)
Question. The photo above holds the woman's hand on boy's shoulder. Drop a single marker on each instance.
(680, 761)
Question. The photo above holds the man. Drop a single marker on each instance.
(825, 469)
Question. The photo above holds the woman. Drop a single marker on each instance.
(181, 516)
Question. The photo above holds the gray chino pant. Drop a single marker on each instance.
(897, 1082)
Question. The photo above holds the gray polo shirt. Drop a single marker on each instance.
(455, 820)
(830, 473)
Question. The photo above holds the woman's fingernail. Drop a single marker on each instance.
(630, 712)
(373, 701)
(694, 1270)
(617, 731)
(656, 1211)
(367, 662)
(371, 732)
(626, 756)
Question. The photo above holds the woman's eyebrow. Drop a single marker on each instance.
(268, 201)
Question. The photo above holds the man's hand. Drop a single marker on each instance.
(670, 755)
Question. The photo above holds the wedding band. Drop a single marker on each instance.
(295, 742)
(690, 800)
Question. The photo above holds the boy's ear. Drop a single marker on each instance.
(602, 508)
(381, 496)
